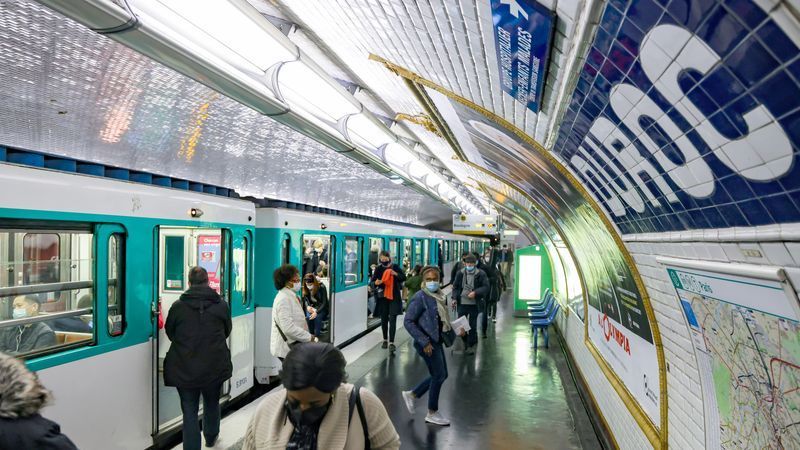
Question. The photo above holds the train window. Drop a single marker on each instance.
(286, 247)
(375, 247)
(426, 254)
(240, 270)
(393, 250)
(408, 256)
(352, 261)
(46, 293)
(316, 258)
(418, 256)
(174, 266)
(115, 293)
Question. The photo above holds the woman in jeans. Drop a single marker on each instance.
(427, 317)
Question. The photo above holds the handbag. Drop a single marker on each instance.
(448, 338)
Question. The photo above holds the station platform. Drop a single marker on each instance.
(506, 396)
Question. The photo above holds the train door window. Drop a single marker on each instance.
(375, 247)
(352, 261)
(240, 270)
(408, 255)
(286, 247)
(46, 301)
(316, 259)
(174, 263)
(115, 291)
(393, 251)
(426, 252)
(418, 256)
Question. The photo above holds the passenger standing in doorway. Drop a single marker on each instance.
(470, 289)
(426, 319)
(388, 279)
(288, 315)
(198, 360)
(315, 299)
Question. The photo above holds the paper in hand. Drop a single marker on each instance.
(459, 324)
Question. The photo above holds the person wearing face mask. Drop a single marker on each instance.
(493, 274)
(315, 299)
(198, 361)
(388, 279)
(426, 319)
(25, 338)
(456, 267)
(470, 289)
(288, 316)
(318, 410)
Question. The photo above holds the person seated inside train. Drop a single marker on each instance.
(75, 324)
(322, 270)
(28, 337)
(315, 299)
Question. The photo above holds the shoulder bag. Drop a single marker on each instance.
(355, 400)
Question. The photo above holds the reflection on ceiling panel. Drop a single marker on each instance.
(68, 91)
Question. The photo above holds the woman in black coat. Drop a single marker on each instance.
(198, 360)
(387, 309)
(21, 398)
(315, 296)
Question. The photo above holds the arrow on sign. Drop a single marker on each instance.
(514, 8)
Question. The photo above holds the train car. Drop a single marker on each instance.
(92, 259)
(342, 252)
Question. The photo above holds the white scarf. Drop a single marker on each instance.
(441, 306)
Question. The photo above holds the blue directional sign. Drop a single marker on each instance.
(523, 32)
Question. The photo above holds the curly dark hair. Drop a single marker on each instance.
(283, 275)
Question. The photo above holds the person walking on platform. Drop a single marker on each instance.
(470, 289)
(388, 279)
(198, 360)
(426, 320)
(506, 259)
(318, 410)
(493, 274)
(22, 396)
(288, 315)
(456, 267)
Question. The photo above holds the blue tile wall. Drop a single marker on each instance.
(758, 69)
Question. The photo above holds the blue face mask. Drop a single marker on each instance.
(432, 286)
(470, 268)
(19, 313)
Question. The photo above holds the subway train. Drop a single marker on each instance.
(105, 259)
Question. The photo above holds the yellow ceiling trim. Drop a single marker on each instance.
(656, 436)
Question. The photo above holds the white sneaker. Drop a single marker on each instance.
(409, 398)
(437, 419)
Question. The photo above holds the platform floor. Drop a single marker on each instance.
(507, 396)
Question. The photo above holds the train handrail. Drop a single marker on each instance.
(11, 291)
(44, 317)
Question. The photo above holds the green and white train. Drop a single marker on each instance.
(122, 250)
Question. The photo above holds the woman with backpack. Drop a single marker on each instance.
(318, 410)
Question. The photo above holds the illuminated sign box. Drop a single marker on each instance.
(475, 224)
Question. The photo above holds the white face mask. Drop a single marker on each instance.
(309, 286)
(296, 286)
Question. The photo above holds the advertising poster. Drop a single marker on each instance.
(746, 337)
(617, 321)
(522, 34)
(208, 257)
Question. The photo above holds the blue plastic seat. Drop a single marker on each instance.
(541, 306)
(543, 324)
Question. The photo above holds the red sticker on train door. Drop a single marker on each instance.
(208, 257)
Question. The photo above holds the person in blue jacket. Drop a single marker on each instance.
(426, 319)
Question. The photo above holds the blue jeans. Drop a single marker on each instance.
(316, 324)
(471, 311)
(437, 367)
(190, 405)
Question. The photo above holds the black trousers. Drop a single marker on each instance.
(388, 321)
(190, 405)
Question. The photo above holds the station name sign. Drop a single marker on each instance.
(475, 224)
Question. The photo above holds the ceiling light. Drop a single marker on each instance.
(233, 24)
(302, 88)
(368, 133)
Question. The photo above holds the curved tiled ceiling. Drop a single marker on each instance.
(68, 91)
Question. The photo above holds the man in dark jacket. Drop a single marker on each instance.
(488, 265)
(198, 360)
(29, 337)
(22, 396)
(470, 289)
(456, 267)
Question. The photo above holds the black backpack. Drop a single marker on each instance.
(355, 399)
